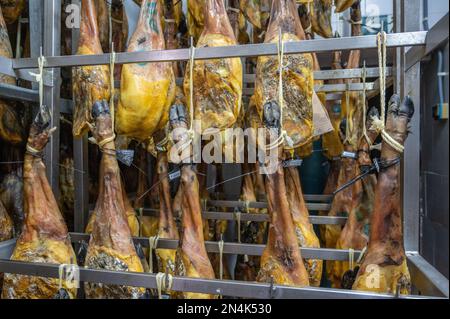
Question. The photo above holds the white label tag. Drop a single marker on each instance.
(349, 155)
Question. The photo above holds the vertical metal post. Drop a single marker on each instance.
(52, 40)
(411, 166)
(80, 153)
(35, 23)
(407, 82)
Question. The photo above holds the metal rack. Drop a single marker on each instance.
(45, 32)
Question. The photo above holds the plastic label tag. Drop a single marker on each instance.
(125, 156)
(174, 175)
(293, 163)
(349, 155)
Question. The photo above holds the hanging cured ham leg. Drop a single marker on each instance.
(281, 259)
(90, 83)
(352, 112)
(147, 89)
(111, 246)
(11, 129)
(192, 258)
(355, 234)
(167, 227)
(384, 267)
(303, 227)
(217, 83)
(44, 238)
(298, 80)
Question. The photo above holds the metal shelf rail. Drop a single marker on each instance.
(421, 269)
(406, 72)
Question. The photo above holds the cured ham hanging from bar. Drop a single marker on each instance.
(12, 129)
(90, 83)
(217, 83)
(44, 238)
(281, 260)
(147, 89)
(384, 267)
(303, 228)
(355, 234)
(298, 80)
(192, 259)
(111, 246)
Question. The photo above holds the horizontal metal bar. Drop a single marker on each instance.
(247, 217)
(352, 87)
(234, 288)
(241, 204)
(238, 248)
(24, 74)
(427, 279)
(336, 74)
(18, 93)
(249, 50)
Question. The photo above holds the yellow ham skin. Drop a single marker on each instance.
(147, 89)
(217, 86)
(252, 11)
(195, 18)
(12, 9)
(39, 251)
(321, 18)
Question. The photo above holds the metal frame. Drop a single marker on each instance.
(45, 21)
(429, 281)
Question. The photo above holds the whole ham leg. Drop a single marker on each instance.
(298, 79)
(147, 89)
(192, 258)
(167, 227)
(281, 259)
(217, 90)
(355, 234)
(303, 227)
(11, 127)
(384, 267)
(44, 238)
(111, 246)
(351, 113)
(90, 83)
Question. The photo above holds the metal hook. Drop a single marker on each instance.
(272, 288)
